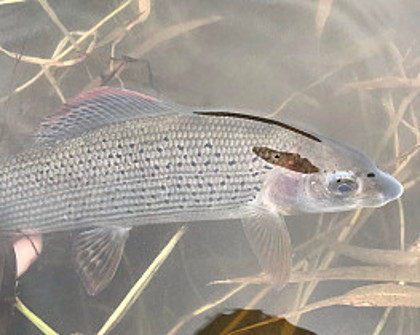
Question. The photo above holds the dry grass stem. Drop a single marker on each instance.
(53, 16)
(184, 320)
(356, 273)
(60, 55)
(383, 83)
(377, 295)
(36, 321)
(10, 2)
(141, 284)
(381, 324)
(153, 41)
(322, 13)
(144, 12)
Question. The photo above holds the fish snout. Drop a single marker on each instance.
(389, 187)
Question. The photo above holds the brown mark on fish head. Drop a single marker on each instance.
(289, 160)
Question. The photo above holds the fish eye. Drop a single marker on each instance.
(342, 184)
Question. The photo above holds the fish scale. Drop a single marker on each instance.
(131, 170)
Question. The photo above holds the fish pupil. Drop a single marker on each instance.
(342, 184)
(345, 188)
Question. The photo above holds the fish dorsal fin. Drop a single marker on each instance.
(98, 108)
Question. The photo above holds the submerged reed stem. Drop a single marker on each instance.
(36, 321)
(141, 284)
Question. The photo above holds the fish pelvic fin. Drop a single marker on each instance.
(99, 108)
(269, 238)
(97, 254)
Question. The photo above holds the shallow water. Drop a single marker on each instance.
(261, 56)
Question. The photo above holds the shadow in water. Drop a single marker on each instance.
(7, 284)
(250, 322)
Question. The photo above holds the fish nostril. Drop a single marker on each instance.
(371, 175)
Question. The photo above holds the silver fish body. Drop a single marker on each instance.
(112, 159)
(137, 172)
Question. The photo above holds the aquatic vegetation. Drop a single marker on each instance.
(384, 111)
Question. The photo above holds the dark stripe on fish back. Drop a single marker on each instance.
(260, 119)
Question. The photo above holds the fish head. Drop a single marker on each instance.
(347, 189)
(341, 179)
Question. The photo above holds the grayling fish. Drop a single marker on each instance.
(111, 159)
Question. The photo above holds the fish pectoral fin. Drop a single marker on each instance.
(97, 253)
(270, 240)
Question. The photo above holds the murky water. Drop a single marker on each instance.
(269, 57)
